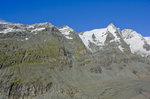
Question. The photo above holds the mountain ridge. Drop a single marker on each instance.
(44, 61)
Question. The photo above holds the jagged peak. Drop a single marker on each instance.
(66, 28)
(111, 24)
(66, 31)
(111, 28)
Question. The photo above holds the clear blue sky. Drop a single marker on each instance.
(81, 15)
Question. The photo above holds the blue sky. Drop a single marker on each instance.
(81, 15)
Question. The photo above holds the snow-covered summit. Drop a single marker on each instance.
(138, 44)
(66, 31)
(111, 28)
(99, 36)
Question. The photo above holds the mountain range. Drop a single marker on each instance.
(42, 61)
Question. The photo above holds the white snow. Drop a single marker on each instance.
(121, 48)
(135, 41)
(10, 30)
(38, 29)
(132, 38)
(100, 37)
(26, 38)
(68, 37)
(11, 27)
(147, 40)
(6, 30)
(17, 30)
(112, 29)
(96, 36)
(65, 30)
(31, 27)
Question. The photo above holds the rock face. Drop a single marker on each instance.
(42, 61)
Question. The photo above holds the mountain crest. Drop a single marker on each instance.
(138, 44)
(66, 28)
(66, 31)
(111, 28)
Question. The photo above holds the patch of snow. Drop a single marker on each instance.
(68, 37)
(38, 29)
(11, 27)
(121, 48)
(66, 30)
(111, 28)
(26, 38)
(10, 30)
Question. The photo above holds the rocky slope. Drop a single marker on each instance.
(42, 61)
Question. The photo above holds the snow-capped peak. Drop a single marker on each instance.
(111, 28)
(138, 44)
(66, 31)
(98, 36)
